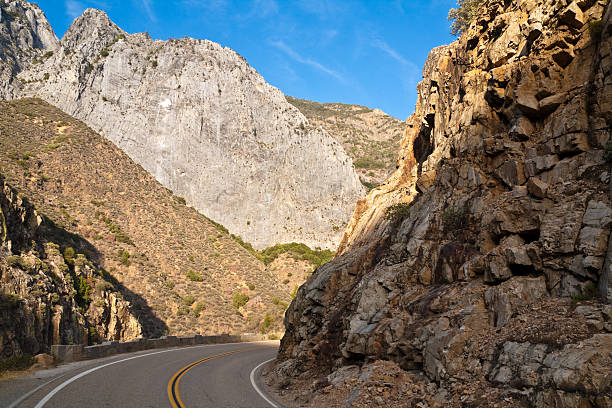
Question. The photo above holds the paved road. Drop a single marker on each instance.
(217, 376)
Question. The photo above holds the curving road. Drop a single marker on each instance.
(219, 375)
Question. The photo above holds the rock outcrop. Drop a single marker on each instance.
(25, 37)
(207, 126)
(478, 266)
(48, 297)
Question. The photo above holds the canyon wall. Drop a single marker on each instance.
(474, 276)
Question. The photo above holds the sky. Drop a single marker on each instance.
(366, 52)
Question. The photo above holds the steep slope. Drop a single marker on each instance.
(182, 270)
(49, 298)
(207, 126)
(369, 136)
(25, 37)
(475, 270)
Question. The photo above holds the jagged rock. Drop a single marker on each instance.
(207, 126)
(549, 104)
(537, 187)
(480, 304)
(572, 16)
(26, 36)
(40, 302)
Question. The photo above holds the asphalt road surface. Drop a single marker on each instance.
(219, 375)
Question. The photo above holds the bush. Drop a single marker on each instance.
(239, 300)
(251, 286)
(16, 363)
(265, 325)
(296, 251)
(103, 285)
(124, 257)
(198, 309)
(83, 292)
(463, 15)
(18, 261)
(400, 210)
(596, 28)
(69, 255)
(9, 301)
(188, 300)
(453, 219)
(194, 276)
(170, 285)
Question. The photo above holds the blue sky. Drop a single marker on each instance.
(365, 52)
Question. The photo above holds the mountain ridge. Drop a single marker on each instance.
(207, 126)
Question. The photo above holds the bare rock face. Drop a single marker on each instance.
(48, 297)
(25, 35)
(207, 126)
(479, 267)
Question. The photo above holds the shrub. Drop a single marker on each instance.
(18, 261)
(104, 53)
(463, 15)
(100, 303)
(55, 298)
(170, 285)
(239, 300)
(296, 251)
(83, 292)
(103, 285)
(198, 309)
(188, 300)
(46, 76)
(596, 28)
(194, 276)
(251, 286)
(16, 363)
(400, 210)
(265, 325)
(453, 219)
(286, 281)
(124, 257)
(294, 292)
(273, 336)
(9, 301)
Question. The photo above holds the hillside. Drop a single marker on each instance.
(480, 273)
(369, 136)
(206, 125)
(48, 293)
(183, 270)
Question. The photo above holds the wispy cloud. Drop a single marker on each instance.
(263, 8)
(305, 60)
(74, 8)
(148, 7)
(384, 47)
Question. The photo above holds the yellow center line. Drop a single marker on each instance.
(173, 384)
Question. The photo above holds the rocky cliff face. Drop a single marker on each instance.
(25, 35)
(475, 270)
(207, 126)
(48, 297)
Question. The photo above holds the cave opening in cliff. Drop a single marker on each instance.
(424, 143)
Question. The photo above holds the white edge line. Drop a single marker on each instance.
(27, 394)
(91, 370)
(254, 384)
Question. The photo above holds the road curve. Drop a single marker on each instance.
(217, 376)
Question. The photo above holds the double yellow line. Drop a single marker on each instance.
(173, 385)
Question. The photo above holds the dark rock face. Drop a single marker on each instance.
(48, 298)
(489, 286)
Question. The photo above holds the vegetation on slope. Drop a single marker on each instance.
(155, 246)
